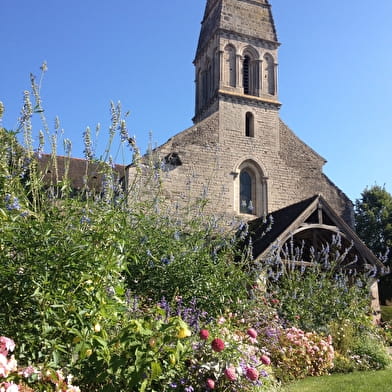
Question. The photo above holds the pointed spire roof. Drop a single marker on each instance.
(248, 18)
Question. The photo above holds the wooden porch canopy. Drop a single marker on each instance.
(311, 223)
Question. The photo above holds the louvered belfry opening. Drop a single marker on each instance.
(246, 65)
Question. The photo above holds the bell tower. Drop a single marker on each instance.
(239, 157)
(236, 56)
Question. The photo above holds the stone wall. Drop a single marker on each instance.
(211, 153)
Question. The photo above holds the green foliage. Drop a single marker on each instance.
(147, 354)
(313, 297)
(81, 274)
(168, 257)
(329, 297)
(344, 333)
(70, 266)
(373, 218)
(369, 353)
(373, 223)
(359, 347)
(343, 364)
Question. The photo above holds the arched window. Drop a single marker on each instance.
(249, 124)
(247, 190)
(250, 189)
(230, 68)
(269, 74)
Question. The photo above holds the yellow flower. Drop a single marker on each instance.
(183, 333)
(97, 328)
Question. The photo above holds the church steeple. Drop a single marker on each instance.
(236, 54)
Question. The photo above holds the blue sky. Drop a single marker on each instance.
(335, 73)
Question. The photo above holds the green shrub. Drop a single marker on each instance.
(315, 295)
(343, 364)
(344, 334)
(369, 353)
(71, 264)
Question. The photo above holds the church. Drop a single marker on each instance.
(238, 152)
(239, 155)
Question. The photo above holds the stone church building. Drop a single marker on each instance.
(239, 155)
(239, 152)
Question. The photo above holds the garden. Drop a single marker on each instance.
(104, 290)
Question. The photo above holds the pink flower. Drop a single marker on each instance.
(9, 387)
(252, 333)
(203, 334)
(230, 374)
(12, 364)
(7, 366)
(28, 371)
(265, 360)
(72, 388)
(221, 320)
(218, 345)
(210, 383)
(6, 345)
(252, 374)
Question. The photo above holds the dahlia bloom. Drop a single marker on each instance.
(230, 374)
(218, 345)
(210, 383)
(203, 334)
(252, 333)
(265, 360)
(252, 374)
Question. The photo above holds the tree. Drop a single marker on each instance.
(373, 222)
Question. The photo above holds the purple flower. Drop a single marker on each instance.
(12, 203)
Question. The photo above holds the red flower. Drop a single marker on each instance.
(265, 360)
(210, 384)
(218, 345)
(252, 374)
(230, 374)
(203, 334)
(252, 333)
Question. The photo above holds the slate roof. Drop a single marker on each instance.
(265, 231)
